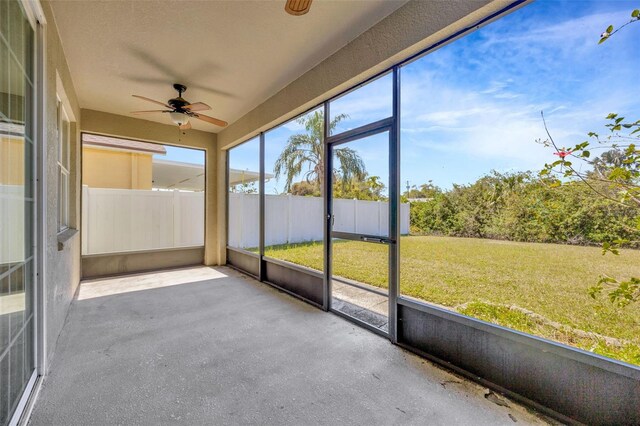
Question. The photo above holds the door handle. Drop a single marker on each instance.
(375, 240)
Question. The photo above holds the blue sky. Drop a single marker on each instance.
(474, 105)
(185, 155)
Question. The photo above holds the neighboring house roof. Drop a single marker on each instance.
(178, 175)
(242, 176)
(122, 144)
(245, 176)
(169, 174)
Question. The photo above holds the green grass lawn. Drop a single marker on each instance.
(536, 288)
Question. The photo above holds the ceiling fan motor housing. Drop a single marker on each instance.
(179, 102)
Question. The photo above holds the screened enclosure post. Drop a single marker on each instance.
(328, 209)
(226, 197)
(394, 206)
(262, 200)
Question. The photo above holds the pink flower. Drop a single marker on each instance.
(562, 153)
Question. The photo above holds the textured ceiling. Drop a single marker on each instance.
(232, 55)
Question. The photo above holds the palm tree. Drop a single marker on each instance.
(608, 160)
(304, 155)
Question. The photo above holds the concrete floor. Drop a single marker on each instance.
(212, 346)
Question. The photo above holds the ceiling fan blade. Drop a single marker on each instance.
(186, 126)
(197, 106)
(297, 7)
(151, 100)
(148, 111)
(211, 120)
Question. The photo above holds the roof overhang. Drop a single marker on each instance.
(122, 144)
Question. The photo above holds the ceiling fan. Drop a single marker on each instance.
(181, 111)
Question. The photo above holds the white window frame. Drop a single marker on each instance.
(36, 18)
(63, 161)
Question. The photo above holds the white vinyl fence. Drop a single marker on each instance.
(12, 220)
(296, 219)
(120, 220)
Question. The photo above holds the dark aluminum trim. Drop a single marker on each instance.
(361, 132)
(261, 267)
(394, 208)
(327, 193)
(226, 200)
(367, 238)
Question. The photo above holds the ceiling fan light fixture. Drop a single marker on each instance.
(179, 118)
(297, 7)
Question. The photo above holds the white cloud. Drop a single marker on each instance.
(482, 99)
(579, 31)
(477, 124)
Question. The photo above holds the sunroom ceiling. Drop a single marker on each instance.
(232, 55)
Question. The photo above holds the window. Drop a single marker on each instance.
(139, 196)
(244, 196)
(64, 135)
(365, 104)
(490, 238)
(17, 221)
(293, 191)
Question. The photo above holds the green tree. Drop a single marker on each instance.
(304, 155)
(523, 207)
(305, 189)
(245, 187)
(369, 188)
(425, 191)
